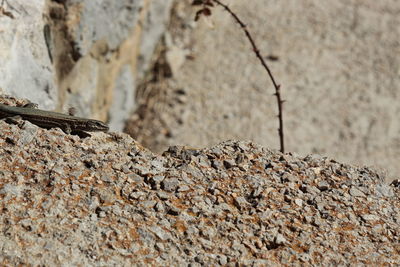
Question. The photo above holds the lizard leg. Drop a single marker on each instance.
(66, 128)
(31, 105)
(14, 120)
(81, 134)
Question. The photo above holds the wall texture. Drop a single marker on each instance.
(79, 53)
(338, 63)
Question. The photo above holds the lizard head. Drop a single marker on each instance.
(94, 125)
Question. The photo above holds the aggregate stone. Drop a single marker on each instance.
(216, 164)
(323, 185)
(148, 204)
(299, 202)
(369, 217)
(356, 192)
(183, 188)
(384, 190)
(170, 184)
(229, 163)
(280, 239)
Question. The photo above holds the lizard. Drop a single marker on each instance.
(50, 119)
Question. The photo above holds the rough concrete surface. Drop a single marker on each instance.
(107, 201)
(338, 63)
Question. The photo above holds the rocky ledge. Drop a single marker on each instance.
(105, 200)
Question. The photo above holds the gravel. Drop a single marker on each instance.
(107, 201)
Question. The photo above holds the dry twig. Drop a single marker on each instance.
(206, 11)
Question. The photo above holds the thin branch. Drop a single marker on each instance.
(257, 52)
